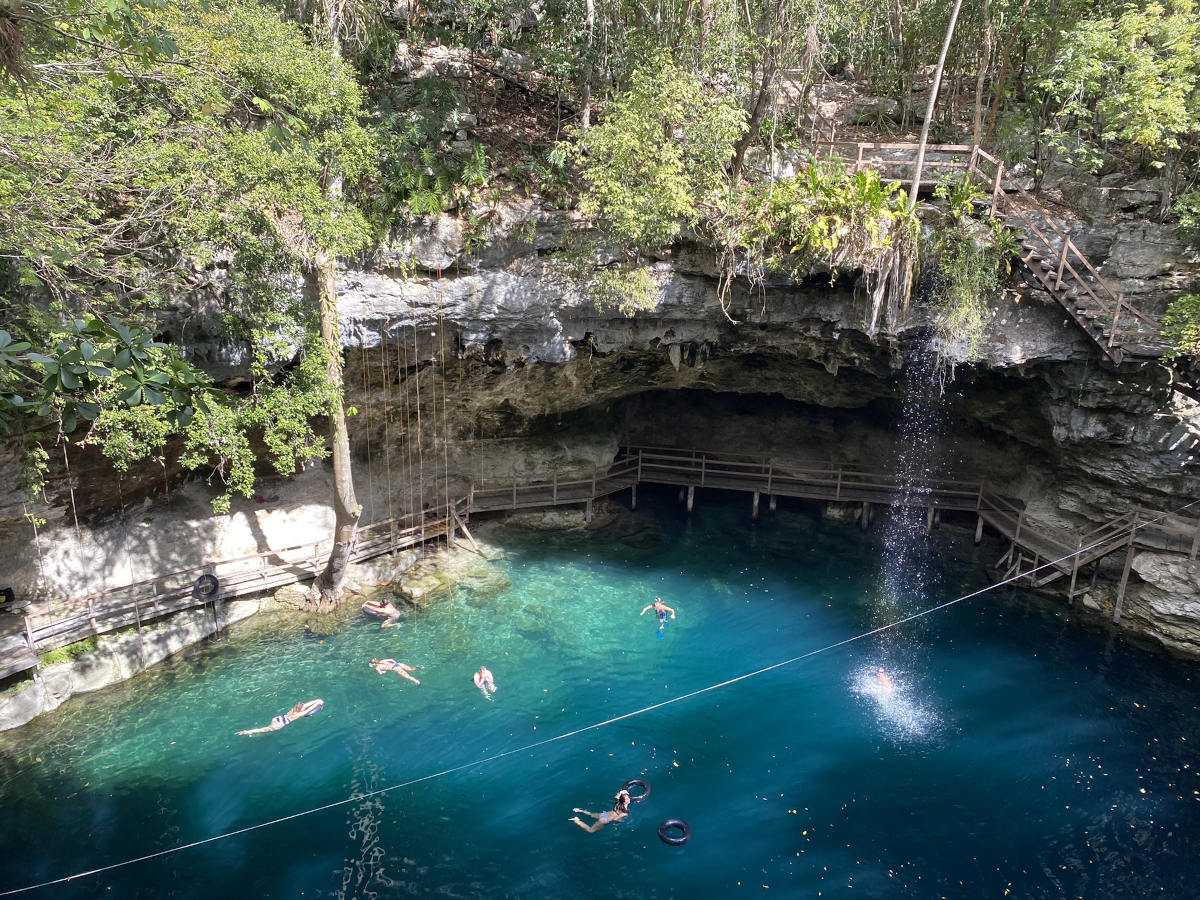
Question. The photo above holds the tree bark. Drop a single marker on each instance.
(757, 114)
(932, 107)
(321, 279)
(985, 60)
(585, 117)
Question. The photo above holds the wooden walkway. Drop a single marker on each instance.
(1032, 543)
(47, 627)
(1117, 328)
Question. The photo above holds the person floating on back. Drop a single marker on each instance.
(383, 666)
(301, 710)
(660, 609)
(485, 681)
(619, 811)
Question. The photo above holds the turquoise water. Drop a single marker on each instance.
(1020, 755)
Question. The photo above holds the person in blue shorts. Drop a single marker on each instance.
(383, 666)
(301, 710)
(619, 811)
(660, 609)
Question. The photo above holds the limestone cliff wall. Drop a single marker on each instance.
(470, 356)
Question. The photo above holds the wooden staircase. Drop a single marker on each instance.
(1054, 264)
(1118, 328)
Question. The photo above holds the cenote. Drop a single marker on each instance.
(1020, 755)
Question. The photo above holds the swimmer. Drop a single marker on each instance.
(385, 609)
(660, 609)
(301, 710)
(619, 811)
(383, 666)
(485, 681)
(885, 682)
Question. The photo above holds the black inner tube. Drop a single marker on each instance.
(672, 825)
(636, 782)
(205, 586)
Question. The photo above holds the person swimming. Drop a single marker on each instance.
(385, 609)
(301, 710)
(383, 666)
(619, 811)
(660, 609)
(885, 682)
(485, 681)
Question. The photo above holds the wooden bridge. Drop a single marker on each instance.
(1038, 553)
(1118, 329)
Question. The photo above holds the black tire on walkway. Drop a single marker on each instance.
(205, 586)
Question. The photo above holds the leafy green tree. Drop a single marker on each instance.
(122, 187)
(658, 161)
(1131, 79)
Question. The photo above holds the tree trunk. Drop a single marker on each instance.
(985, 60)
(585, 117)
(1001, 82)
(757, 114)
(932, 107)
(320, 278)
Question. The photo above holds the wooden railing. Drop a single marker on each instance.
(1057, 263)
(49, 626)
(1032, 543)
(1116, 326)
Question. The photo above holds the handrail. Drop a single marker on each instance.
(1107, 299)
(791, 477)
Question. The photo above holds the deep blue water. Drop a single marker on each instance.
(1021, 755)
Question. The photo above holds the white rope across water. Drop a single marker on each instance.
(355, 798)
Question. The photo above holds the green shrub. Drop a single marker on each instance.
(1181, 326)
(67, 653)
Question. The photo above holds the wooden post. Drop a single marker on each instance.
(633, 496)
(639, 474)
(587, 510)
(996, 188)
(1062, 263)
(554, 488)
(837, 492)
(514, 500)
(1112, 335)
(1074, 573)
(754, 508)
(865, 519)
(978, 530)
(92, 615)
(858, 161)
(1125, 574)
(929, 520)
(691, 496)
(703, 462)
(770, 473)
(771, 503)
(451, 537)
